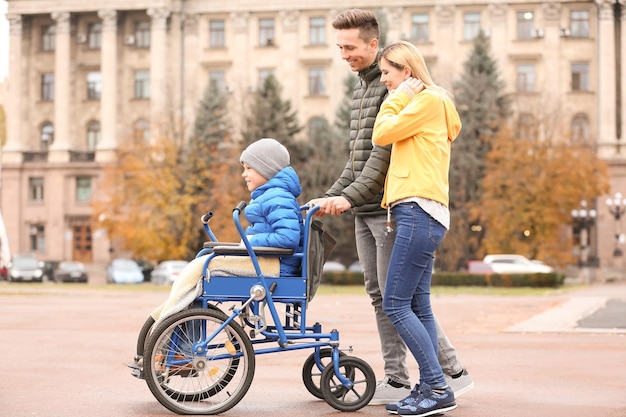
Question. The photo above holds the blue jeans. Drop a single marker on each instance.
(407, 293)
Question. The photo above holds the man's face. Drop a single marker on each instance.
(355, 51)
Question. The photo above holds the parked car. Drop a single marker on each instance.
(479, 267)
(146, 268)
(166, 272)
(124, 271)
(25, 267)
(70, 271)
(515, 264)
(48, 269)
(332, 266)
(355, 267)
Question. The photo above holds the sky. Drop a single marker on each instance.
(4, 41)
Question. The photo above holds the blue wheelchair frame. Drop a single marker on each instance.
(256, 293)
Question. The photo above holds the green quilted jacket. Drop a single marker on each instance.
(363, 177)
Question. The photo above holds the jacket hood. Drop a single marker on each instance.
(453, 121)
(286, 178)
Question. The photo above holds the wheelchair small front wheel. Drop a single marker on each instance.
(363, 380)
(311, 373)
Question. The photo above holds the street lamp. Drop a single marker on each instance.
(584, 218)
(617, 207)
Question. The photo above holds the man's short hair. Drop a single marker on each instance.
(363, 20)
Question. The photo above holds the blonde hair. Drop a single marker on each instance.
(403, 54)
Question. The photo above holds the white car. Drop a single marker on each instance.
(166, 272)
(515, 264)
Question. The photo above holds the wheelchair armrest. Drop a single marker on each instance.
(258, 250)
(211, 244)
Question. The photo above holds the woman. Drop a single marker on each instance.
(420, 121)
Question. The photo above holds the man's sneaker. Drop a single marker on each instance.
(429, 403)
(387, 393)
(460, 384)
(392, 408)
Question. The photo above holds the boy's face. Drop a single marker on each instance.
(253, 179)
(354, 50)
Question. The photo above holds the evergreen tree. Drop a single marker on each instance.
(344, 111)
(483, 108)
(210, 124)
(270, 115)
(383, 26)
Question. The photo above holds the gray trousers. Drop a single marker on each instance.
(374, 245)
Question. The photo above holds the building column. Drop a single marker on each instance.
(108, 101)
(158, 72)
(289, 42)
(59, 150)
(190, 69)
(445, 25)
(606, 80)
(11, 152)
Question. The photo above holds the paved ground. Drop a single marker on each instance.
(64, 349)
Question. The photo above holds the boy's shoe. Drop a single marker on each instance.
(392, 408)
(460, 384)
(387, 393)
(429, 403)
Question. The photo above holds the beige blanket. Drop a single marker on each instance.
(188, 285)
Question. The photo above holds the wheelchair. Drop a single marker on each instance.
(201, 360)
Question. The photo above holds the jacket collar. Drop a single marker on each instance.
(370, 73)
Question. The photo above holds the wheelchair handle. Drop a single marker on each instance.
(206, 217)
(242, 205)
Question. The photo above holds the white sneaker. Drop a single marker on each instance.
(461, 384)
(386, 393)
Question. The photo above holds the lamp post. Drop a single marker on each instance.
(617, 207)
(584, 218)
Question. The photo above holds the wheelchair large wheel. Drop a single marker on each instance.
(142, 339)
(359, 395)
(311, 373)
(188, 379)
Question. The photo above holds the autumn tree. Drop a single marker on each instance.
(483, 108)
(150, 201)
(530, 187)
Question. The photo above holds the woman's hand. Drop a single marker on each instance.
(411, 86)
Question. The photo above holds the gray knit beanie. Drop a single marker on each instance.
(267, 156)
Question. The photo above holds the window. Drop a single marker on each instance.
(94, 35)
(219, 78)
(581, 132)
(526, 127)
(83, 189)
(47, 136)
(141, 132)
(94, 85)
(142, 84)
(47, 87)
(93, 135)
(35, 189)
(579, 25)
(317, 31)
(263, 74)
(266, 32)
(37, 238)
(419, 27)
(471, 26)
(580, 77)
(525, 25)
(217, 34)
(142, 34)
(48, 38)
(317, 81)
(525, 78)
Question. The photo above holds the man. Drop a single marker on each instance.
(360, 188)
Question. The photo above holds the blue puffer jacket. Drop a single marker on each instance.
(275, 217)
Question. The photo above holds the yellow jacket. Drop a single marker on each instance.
(421, 130)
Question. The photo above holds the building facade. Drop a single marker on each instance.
(85, 77)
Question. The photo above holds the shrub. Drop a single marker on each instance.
(462, 279)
